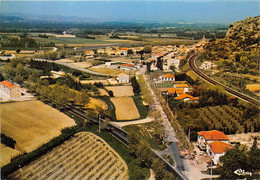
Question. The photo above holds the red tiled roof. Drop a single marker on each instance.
(181, 85)
(8, 84)
(128, 65)
(168, 76)
(184, 95)
(219, 147)
(173, 90)
(213, 135)
(123, 48)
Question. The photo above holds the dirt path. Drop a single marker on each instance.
(121, 124)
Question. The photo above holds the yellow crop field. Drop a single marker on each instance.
(125, 108)
(7, 153)
(106, 71)
(84, 156)
(95, 103)
(103, 92)
(32, 123)
(121, 91)
(253, 87)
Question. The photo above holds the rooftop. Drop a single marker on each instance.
(213, 135)
(173, 90)
(219, 147)
(127, 65)
(184, 95)
(181, 85)
(8, 84)
(168, 76)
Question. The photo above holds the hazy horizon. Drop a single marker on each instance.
(203, 11)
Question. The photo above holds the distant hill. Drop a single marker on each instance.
(247, 30)
(239, 49)
(4, 18)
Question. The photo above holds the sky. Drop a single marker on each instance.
(190, 11)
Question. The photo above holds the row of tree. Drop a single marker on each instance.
(8, 141)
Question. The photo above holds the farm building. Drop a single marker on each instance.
(186, 97)
(9, 91)
(123, 78)
(217, 149)
(167, 77)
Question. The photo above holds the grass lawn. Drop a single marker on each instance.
(143, 110)
(164, 85)
(106, 71)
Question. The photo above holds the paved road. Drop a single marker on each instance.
(141, 121)
(171, 136)
(242, 96)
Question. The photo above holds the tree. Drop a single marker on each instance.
(110, 93)
(136, 87)
(130, 52)
(147, 49)
(18, 78)
(233, 159)
(159, 64)
(63, 54)
(18, 50)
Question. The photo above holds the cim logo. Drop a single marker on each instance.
(241, 172)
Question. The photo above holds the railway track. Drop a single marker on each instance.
(122, 135)
(242, 96)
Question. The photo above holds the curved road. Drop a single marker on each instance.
(242, 96)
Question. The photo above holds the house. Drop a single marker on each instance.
(186, 97)
(183, 86)
(57, 74)
(172, 91)
(127, 67)
(167, 77)
(217, 149)
(123, 78)
(9, 91)
(89, 53)
(207, 137)
(207, 65)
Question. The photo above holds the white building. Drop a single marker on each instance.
(217, 149)
(167, 77)
(9, 91)
(123, 78)
(207, 65)
(183, 86)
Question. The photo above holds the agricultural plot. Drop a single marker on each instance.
(7, 153)
(94, 81)
(82, 64)
(121, 91)
(106, 70)
(96, 103)
(125, 108)
(32, 123)
(225, 118)
(85, 156)
(103, 92)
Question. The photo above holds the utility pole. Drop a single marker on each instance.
(99, 124)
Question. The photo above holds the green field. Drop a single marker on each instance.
(71, 40)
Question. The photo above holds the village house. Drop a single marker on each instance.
(177, 91)
(167, 77)
(127, 67)
(183, 86)
(207, 65)
(206, 137)
(217, 149)
(9, 90)
(123, 78)
(186, 97)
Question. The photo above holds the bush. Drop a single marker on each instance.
(8, 141)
